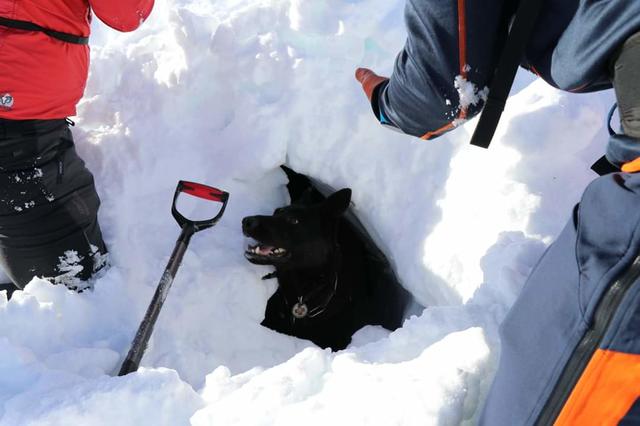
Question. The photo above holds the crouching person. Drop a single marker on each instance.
(570, 345)
(48, 200)
(452, 50)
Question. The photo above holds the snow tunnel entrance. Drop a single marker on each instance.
(377, 298)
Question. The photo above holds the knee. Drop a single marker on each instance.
(625, 69)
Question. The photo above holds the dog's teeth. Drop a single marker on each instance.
(265, 250)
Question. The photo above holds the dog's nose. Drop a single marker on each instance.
(249, 224)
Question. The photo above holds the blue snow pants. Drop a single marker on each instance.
(571, 343)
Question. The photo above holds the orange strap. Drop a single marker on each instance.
(605, 392)
(437, 132)
(632, 166)
(462, 37)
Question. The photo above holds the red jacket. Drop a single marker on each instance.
(42, 77)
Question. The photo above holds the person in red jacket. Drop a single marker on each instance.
(48, 200)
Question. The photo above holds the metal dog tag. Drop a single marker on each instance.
(299, 310)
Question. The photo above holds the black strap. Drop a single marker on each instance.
(30, 26)
(604, 167)
(512, 54)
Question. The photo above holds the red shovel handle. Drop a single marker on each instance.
(202, 191)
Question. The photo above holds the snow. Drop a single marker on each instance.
(468, 93)
(223, 93)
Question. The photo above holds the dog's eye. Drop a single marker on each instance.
(293, 220)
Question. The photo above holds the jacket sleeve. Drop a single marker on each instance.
(122, 15)
(441, 76)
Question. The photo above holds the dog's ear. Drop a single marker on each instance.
(338, 202)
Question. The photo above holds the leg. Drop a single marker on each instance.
(48, 208)
(626, 82)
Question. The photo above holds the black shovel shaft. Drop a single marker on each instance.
(140, 342)
(189, 227)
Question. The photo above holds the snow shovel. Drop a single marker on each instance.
(189, 227)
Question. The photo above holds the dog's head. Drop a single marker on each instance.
(296, 236)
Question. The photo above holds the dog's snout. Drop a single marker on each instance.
(249, 224)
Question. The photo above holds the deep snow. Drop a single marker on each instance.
(223, 93)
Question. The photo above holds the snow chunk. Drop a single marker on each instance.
(69, 266)
(469, 93)
(147, 397)
(440, 386)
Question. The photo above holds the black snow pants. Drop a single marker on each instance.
(626, 81)
(48, 206)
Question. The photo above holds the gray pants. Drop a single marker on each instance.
(626, 82)
(48, 206)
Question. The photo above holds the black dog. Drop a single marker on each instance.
(327, 287)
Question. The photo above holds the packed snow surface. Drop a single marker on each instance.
(223, 93)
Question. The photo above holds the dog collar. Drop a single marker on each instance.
(300, 309)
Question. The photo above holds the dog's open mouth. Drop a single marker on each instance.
(263, 253)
